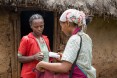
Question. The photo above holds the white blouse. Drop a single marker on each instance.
(85, 56)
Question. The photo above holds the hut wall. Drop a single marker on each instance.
(104, 34)
(8, 46)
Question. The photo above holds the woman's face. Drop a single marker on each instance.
(65, 28)
(37, 26)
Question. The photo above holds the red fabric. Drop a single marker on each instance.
(77, 73)
(28, 47)
(49, 74)
(76, 30)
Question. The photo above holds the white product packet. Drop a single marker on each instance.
(54, 55)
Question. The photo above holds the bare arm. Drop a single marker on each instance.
(62, 67)
(26, 59)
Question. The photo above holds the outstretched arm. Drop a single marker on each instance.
(62, 67)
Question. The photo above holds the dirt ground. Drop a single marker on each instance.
(104, 35)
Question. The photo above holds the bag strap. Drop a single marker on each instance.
(70, 75)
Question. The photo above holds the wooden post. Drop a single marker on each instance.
(55, 32)
(18, 41)
(15, 66)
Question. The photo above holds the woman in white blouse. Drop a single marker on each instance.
(72, 23)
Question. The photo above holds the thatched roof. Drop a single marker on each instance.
(108, 7)
(94, 6)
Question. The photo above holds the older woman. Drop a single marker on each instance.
(72, 23)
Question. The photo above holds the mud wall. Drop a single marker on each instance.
(8, 45)
(104, 35)
(5, 45)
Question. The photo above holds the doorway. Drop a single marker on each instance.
(48, 20)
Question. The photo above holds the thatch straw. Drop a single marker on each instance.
(108, 7)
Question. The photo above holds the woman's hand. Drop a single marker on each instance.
(39, 66)
(59, 59)
(38, 56)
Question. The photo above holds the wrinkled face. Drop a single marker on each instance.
(65, 28)
(37, 26)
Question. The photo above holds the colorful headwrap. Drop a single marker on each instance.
(73, 15)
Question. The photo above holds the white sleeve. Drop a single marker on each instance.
(71, 49)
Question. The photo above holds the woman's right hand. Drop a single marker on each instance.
(59, 59)
(38, 56)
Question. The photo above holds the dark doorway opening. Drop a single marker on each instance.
(48, 19)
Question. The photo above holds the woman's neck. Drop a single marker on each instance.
(37, 36)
